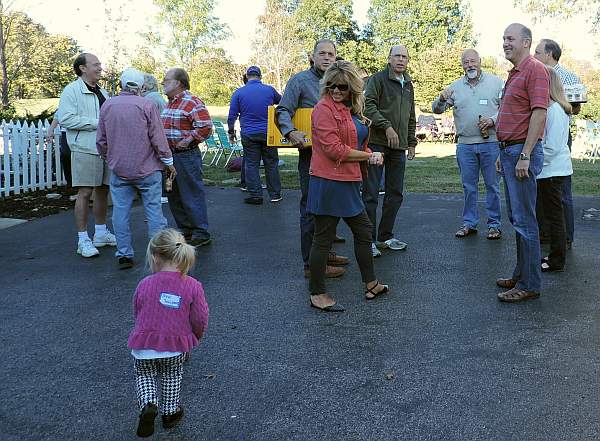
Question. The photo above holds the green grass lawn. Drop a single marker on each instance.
(424, 174)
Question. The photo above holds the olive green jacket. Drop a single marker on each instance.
(389, 104)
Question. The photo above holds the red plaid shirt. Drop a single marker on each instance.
(186, 116)
(527, 88)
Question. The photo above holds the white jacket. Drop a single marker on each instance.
(557, 157)
(78, 113)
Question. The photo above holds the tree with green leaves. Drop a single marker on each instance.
(277, 49)
(419, 24)
(564, 9)
(192, 27)
(433, 70)
(318, 19)
(214, 77)
(33, 63)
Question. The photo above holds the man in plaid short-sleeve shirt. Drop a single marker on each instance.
(520, 125)
(187, 123)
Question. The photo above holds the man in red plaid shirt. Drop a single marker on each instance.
(187, 123)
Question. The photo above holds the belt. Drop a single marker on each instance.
(504, 144)
(193, 145)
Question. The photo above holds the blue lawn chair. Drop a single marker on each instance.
(226, 146)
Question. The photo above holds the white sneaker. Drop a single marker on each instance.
(392, 244)
(87, 249)
(375, 251)
(106, 239)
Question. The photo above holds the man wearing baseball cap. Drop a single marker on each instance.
(131, 139)
(250, 104)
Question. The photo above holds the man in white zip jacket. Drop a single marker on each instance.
(79, 106)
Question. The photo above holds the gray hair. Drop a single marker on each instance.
(324, 41)
(552, 47)
(150, 83)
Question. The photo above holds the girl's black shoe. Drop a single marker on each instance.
(170, 421)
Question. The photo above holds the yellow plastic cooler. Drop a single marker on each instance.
(301, 121)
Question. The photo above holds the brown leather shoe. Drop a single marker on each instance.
(506, 283)
(337, 260)
(330, 272)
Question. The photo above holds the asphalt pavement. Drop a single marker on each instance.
(439, 358)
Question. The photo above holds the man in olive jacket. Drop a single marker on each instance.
(390, 105)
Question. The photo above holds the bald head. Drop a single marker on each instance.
(398, 59)
(516, 43)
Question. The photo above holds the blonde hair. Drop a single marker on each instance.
(348, 73)
(557, 91)
(170, 246)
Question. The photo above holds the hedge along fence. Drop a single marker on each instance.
(27, 161)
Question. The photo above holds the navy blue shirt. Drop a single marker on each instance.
(250, 103)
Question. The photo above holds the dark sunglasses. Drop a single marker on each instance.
(340, 87)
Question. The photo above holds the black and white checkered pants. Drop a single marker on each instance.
(170, 371)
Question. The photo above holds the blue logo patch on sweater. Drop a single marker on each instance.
(170, 300)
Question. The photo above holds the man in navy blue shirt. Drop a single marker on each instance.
(250, 103)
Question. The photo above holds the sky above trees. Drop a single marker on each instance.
(86, 22)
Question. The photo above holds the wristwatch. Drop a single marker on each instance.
(524, 157)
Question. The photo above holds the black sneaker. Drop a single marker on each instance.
(125, 262)
(253, 201)
(170, 421)
(146, 424)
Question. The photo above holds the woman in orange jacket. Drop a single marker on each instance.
(339, 156)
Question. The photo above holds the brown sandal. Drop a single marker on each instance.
(517, 295)
(465, 231)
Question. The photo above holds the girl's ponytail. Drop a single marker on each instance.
(170, 245)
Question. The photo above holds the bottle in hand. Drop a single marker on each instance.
(484, 131)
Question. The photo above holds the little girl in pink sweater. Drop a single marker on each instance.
(171, 315)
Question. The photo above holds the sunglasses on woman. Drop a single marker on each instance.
(340, 87)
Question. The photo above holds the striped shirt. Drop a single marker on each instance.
(186, 116)
(567, 78)
(527, 88)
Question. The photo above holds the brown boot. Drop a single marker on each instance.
(506, 283)
(337, 260)
(330, 272)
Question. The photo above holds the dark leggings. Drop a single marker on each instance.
(325, 227)
(550, 194)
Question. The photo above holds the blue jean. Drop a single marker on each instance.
(307, 220)
(255, 149)
(520, 205)
(187, 200)
(123, 193)
(394, 162)
(472, 158)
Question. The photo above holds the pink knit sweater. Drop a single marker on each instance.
(170, 313)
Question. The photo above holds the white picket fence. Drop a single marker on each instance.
(27, 161)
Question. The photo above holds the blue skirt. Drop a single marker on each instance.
(334, 198)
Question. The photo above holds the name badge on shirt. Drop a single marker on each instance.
(483, 102)
(169, 300)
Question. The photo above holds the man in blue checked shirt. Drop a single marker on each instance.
(250, 104)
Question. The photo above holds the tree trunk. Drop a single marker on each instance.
(4, 87)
